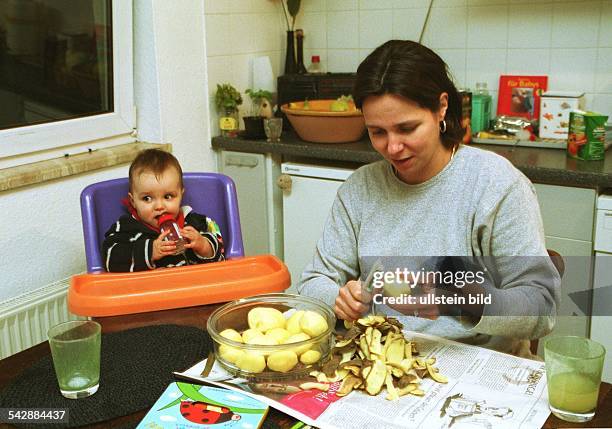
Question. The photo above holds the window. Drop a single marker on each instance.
(65, 76)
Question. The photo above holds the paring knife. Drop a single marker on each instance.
(368, 283)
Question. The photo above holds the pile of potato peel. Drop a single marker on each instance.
(374, 354)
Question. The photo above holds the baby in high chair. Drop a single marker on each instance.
(136, 243)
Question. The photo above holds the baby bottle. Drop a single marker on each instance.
(167, 223)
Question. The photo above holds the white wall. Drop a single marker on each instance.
(42, 238)
(41, 226)
(570, 41)
(170, 79)
(236, 32)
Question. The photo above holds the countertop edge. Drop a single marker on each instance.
(361, 152)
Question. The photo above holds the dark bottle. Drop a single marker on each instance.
(290, 64)
(167, 222)
(299, 35)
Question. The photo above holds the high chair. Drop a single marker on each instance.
(100, 294)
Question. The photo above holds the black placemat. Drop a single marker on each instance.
(135, 368)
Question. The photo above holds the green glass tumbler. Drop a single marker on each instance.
(573, 373)
(75, 348)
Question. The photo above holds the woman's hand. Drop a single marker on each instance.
(197, 242)
(422, 307)
(163, 247)
(352, 302)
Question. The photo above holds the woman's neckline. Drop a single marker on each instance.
(432, 180)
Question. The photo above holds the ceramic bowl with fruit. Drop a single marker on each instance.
(326, 121)
(272, 336)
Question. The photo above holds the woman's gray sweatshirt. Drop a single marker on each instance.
(478, 205)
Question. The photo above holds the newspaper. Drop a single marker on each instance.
(485, 389)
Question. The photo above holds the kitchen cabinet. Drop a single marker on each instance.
(259, 199)
(568, 216)
(601, 322)
(567, 212)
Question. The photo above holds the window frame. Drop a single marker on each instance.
(106, 129)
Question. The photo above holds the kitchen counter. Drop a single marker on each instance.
(550, 166)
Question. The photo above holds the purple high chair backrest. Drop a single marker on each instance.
(211, 194)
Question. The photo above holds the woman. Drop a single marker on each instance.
(430, 196)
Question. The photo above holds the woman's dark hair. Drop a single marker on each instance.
(155, 161)
(415, 72)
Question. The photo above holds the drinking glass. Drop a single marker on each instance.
(75, 348)
(273, 128)
(573, 372)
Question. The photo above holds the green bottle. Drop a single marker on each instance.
(481, 108)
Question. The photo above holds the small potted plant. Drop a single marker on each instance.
(227, 100)
(261, 107)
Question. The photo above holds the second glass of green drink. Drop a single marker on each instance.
(573, 373)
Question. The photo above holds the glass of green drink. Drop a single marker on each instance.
(573, 374)
(75, 348)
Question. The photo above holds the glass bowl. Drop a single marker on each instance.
(232, 355)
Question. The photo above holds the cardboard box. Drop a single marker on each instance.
(587, 135)
(555, 110)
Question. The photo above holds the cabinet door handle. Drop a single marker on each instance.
(241, 161)
(284, 182)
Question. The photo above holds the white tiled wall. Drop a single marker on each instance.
(236, 32)
(570, 41)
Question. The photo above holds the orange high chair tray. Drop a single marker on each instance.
(113, 294)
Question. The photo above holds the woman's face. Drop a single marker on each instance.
(407, 135)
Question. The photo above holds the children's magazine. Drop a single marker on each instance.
(520, 95)
(186, 406)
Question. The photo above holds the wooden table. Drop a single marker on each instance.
(12, 366)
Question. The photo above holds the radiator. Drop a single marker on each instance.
(25, 319)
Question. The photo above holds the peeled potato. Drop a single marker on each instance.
(265, 318)
(293, 323)
(296, 338)
(230, 354)
(250, 333)
(279, 334)
(251, 362)
(262, 340)
(231, 334)
(313, 324)
(396, 289)
(282, 361)
(310, 356)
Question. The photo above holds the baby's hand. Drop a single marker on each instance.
(197, 242)
(163, 247)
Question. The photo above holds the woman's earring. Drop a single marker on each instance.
(442, 126)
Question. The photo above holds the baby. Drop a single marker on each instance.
(135, 243)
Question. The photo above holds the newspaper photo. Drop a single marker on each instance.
(485, 389)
